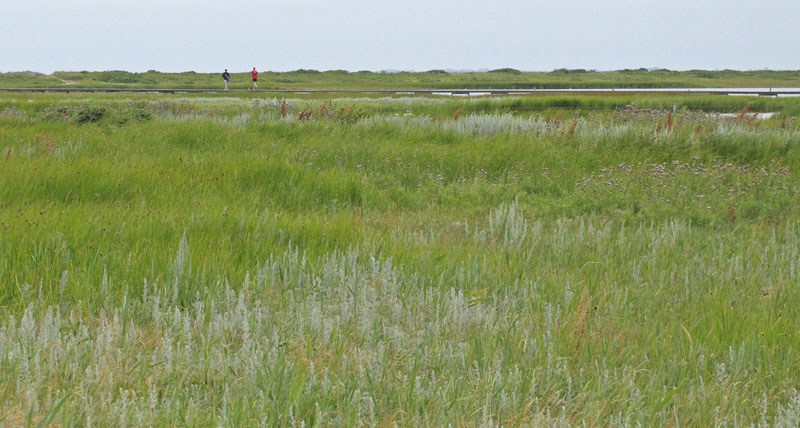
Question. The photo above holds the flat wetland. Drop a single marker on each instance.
(503, 78)
(252, 260)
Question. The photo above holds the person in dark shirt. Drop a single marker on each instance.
(226, 77)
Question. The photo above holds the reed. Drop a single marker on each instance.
(572, 126)
(669, 122)
(743, 113)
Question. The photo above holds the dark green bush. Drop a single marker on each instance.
(131, 115)
(570, 71)
(506, 71)
(58, 113)
(90, 114)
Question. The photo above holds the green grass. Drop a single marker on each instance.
(340, 79)
(212, 263)
(228, 105)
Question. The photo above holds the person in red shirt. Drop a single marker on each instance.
(254, 73)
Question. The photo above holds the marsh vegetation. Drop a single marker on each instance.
(409, 261)
(504, 78)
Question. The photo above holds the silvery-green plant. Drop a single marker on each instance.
(508, 222)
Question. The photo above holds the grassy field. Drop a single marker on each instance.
(409, 261)
(434, 79)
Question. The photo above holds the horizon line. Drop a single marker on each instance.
(396, 70)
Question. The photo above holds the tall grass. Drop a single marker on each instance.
(223, 263)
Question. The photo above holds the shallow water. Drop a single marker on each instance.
(760, 116)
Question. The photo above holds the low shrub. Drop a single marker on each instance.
(58, 113)
(506, 71)
(132, 115)
(89, 114)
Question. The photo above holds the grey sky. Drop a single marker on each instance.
(209, 35)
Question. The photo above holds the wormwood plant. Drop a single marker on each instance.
(509, 223)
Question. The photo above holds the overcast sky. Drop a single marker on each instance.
(209, 35)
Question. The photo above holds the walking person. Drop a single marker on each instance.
(226, 77)
(254, 73)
